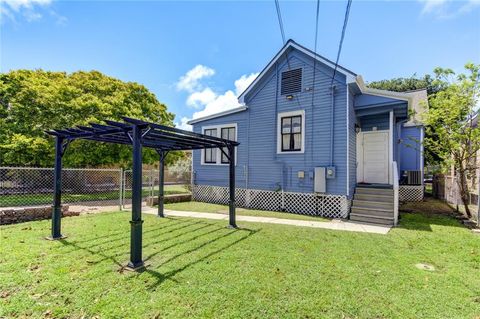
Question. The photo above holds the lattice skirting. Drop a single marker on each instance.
(335, 206)
(410, 193)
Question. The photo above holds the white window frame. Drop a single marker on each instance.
(279, 131)
(219, 152)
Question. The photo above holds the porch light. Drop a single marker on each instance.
(290, 97)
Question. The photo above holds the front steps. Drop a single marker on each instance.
(373, 205)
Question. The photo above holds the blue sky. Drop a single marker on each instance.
(224, 44)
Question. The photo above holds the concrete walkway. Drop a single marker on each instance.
(335, 224)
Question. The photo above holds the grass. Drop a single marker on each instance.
(42, 199)
(200, 268)
(223, 209)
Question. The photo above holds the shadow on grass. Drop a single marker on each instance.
(161, 277)
(162, 234)
(422, 215)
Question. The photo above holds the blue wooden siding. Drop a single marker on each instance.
(257, 154)
(410, 148)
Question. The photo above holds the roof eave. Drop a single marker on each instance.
(220, 114)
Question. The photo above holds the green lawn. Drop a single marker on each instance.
(223, 209)
(42, 199)
(200, 268)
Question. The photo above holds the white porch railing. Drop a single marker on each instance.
(395, 192)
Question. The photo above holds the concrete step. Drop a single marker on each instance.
(372, 212)
(374, 191)
(374, 197)
(371, 219)
(370, 204)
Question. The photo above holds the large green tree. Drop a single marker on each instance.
(452, 115)
(34, 101)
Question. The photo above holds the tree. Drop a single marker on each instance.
(452, 117)
(34, 101)
(409, 84)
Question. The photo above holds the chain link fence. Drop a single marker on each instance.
(27, 186)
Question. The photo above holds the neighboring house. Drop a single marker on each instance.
(307, 146)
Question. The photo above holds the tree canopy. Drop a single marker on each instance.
(409, 84)
(32, 101)
(451, 124)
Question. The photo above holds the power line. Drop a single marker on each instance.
(280, 20)
(345, 22)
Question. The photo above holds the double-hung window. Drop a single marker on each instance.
(228, 133)
(210, 155)
(292, 133)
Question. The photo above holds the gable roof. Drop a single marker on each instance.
(351, 76)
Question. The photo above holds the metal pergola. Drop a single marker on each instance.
(139, 134)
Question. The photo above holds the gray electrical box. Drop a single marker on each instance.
(320, 183)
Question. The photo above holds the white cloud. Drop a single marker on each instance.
(205, 98)
(197, 99)
(191, 80)
(30, 10)
(447, 9)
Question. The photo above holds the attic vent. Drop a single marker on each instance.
(291, 81)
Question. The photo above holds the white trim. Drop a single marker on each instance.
(212, 116)
(390, 149)
(348, 142)
(218, 157)
(279, 131)
(422, 159)
(351, 77)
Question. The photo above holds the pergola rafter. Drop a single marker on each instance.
(139, 134)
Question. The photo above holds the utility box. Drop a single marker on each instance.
(320, 183)
(330, 172)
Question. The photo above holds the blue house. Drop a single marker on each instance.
(315, 140)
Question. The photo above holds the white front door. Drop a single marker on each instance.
(372, 155)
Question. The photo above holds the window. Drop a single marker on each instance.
(228, 133)
(210, 153)
(291, 82)
(215, 156)
(291, 133)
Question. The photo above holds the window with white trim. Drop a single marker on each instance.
(291, 132)
(227, 133)
(210, 154)
(215, 156)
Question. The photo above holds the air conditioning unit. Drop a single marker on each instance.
(414, 177)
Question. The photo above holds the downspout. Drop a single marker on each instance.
(332, 95)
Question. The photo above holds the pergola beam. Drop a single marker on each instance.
(139, 134)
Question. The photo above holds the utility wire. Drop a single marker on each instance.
(314, 70)
(345, 22)
(280, 20)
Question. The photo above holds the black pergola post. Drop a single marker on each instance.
(231, 216)
(161, 181)
(136, 261)
(57, 191)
